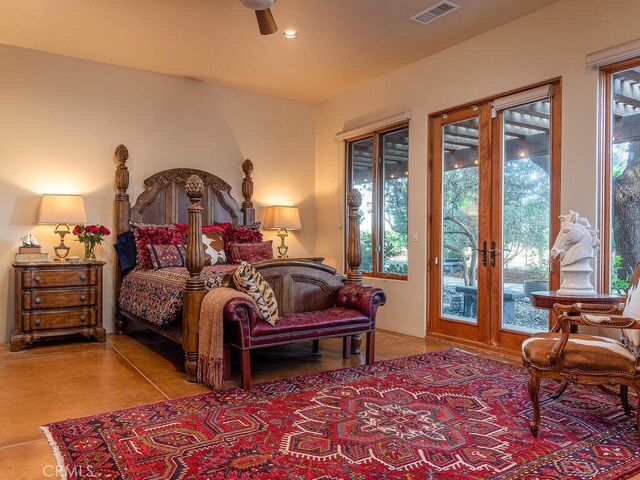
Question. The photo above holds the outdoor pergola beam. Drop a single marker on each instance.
(535, 146)
(619, 97)
(529, 126)
(533, 113)
(632, 75)
(462, 135)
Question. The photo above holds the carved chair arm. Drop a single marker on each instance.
(604, 321)
(562, 309)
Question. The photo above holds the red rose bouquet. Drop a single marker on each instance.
(90, 235)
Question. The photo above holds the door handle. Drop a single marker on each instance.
(483, 250)
(494, 251)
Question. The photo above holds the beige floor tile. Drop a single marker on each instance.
(28, 461)
(40, 389)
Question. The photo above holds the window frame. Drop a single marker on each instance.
(603, 277)
(377, 197)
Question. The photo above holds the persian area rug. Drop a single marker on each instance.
(442, 415)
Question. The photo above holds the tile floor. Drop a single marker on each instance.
(68, 379)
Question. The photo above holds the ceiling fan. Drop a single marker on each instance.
(266, 23)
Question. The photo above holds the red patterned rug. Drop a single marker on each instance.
(444, 415)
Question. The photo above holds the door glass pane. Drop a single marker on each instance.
(624, 186)
(526, 197)
(395, 156)
(362, 179)
(460, 193)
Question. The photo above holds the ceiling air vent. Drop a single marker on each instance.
(433, 13)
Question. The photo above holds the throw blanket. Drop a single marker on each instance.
(210, 341)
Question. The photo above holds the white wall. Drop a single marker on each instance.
(546, 44)
(61, 119)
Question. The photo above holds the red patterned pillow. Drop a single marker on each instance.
(213, 244)
(163, 256)
(244, 233)
(217, 227)
(251, 252)
(154, 236)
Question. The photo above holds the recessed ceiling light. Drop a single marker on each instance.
(289, 34)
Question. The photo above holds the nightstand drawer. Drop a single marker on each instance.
(58, 298)
(59, 319)
(60, 277)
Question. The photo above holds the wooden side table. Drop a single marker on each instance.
(57, 299)
(548, 298)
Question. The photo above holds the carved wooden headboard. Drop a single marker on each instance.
(164, 200)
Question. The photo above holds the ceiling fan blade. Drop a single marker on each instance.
(266, 23)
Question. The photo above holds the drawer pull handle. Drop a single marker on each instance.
(38, 300)
(83, 298)
(82, 318)
(37, 279)
(83, 277)
(38, 322)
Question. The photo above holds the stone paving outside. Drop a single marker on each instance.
(527, 318)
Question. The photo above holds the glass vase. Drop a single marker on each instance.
(89, 252)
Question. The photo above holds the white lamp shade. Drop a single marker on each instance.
(62, 209)
(277, 217)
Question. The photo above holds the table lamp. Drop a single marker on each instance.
(61, 210)
(282, 219)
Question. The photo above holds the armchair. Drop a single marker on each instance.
(588, 359)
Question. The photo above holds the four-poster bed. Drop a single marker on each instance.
(197, 198)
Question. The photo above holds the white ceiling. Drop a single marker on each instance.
(342, 43)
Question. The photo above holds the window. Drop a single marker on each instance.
(620, 188)
(378, 166)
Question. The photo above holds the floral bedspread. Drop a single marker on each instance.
(156, 295)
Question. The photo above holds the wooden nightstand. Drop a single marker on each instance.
(57, 298)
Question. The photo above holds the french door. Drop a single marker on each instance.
(493, 215)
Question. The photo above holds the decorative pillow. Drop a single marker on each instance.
(163, 256)
(125, 247)
(154, 236)
(248, 280)
(213, 244)
(251, 252)
(213, 282)
(216, 227)
(243, 234)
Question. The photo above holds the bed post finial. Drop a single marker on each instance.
(354, 254)
(123, 215)
(122, 172)
(122, 184)
(247, 193)
(194, 288)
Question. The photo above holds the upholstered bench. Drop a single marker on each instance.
(314, 302)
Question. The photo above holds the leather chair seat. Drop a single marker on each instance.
(579, 354)
(326, 319)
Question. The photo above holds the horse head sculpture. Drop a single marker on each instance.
(576, 243)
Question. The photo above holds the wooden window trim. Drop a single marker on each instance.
(377, 180)
(603, 277)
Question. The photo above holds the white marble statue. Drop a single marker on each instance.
(576, 244)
